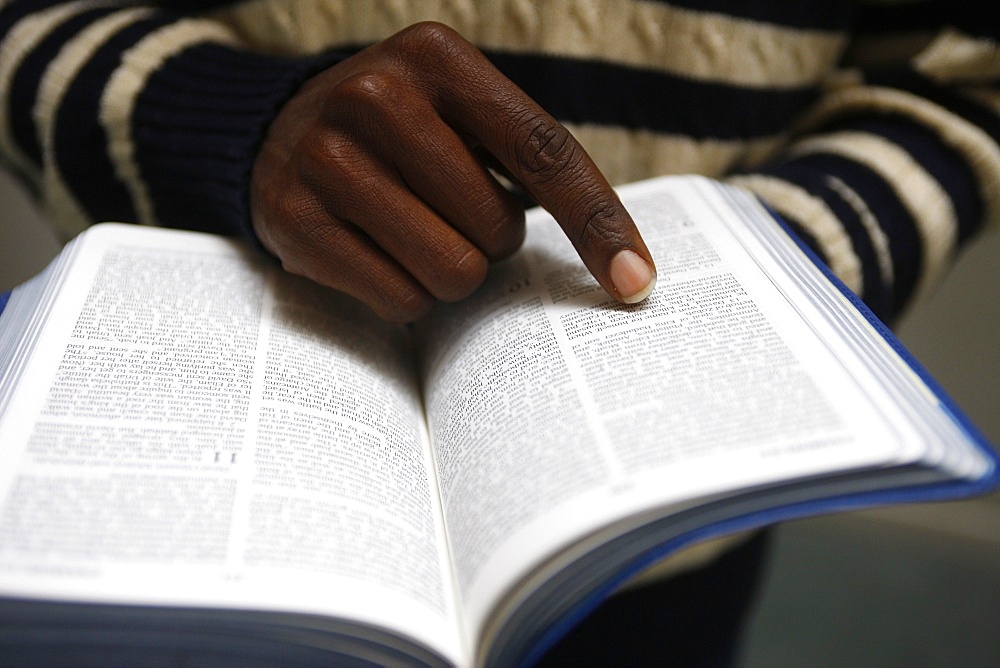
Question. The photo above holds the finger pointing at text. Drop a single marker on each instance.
(370, 179)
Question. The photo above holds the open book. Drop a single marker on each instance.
(203, 453)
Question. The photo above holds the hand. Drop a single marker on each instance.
(370, 179)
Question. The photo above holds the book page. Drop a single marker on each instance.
(555, 411)
(198, 428)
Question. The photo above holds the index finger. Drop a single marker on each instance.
(557, 171)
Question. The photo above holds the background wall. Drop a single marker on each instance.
(916, 585)
(26, 243)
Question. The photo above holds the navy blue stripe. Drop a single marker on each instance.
(947, 166)
(579, 91)
(902, 17)
(805, 14)
(198, 124)
(874, 292)
(979, 18)
(13, 12)
(601, 93)
(907, 79)
(80, 141)
(944, 164)
(25, 82)
(197, 6)
(905, 246)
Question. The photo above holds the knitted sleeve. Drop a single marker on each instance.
(898, 164)
(117, 111)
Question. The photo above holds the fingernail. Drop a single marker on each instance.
(631, 276)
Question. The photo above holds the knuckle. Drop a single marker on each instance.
(506, 233)
(546, 149)
(335, 168)
(364, 92)
(323, 158)
(291, 214)
(302, 233)
(459, 274)
(430, 40)
(332, 235)
(435, 57)
(308, 247)
(601, 222)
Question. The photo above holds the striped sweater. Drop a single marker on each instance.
(872, 127)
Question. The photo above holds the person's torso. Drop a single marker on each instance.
(649, 88)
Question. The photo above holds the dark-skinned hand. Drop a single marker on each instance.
(372, 181)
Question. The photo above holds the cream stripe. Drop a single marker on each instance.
(63, 209)
(812, 214)
(118, 100)
(954, 56)
(625, 155)
(922, 196)
(21, 40)
(979, 149)
(701, 45)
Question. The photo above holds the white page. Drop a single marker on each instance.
(218, 433)
(554, 411)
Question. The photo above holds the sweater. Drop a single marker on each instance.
(872, 128)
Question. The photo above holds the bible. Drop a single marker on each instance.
(207, 457)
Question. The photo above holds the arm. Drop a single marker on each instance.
(899, 163)
(129, 113)
(137, 115)
(394, 133)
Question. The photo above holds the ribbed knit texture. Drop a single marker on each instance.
(199, 123)
(874, 129)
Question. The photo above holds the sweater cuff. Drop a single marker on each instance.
(198, 125)
(882, 199)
